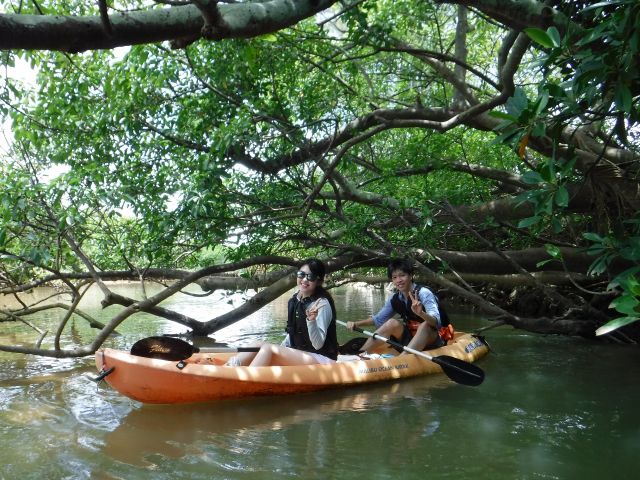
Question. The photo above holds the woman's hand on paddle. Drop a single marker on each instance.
(416, 304)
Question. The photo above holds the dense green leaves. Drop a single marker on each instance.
(590, 73)
(332, 136)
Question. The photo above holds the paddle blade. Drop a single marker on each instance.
(352, 347)
(460, 371)
(163, 348)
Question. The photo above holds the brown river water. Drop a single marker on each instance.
(550, 408)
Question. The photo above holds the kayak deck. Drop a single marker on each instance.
(162, 381)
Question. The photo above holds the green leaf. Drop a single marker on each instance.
(633, 285)
(615, 324)
(503, 115)
(546, 206)
(532, 178)
(596, 250)
(539, 130)
(527, 222)
(553, 251)
(554, 35)
(542, 102)
(601, 4)
(539, 36)
(626, 281)
(598, 266)
(543, 263)
(518, 103)
(631, 252)
(269, 37)
(562, 197)
(623, 98)
(506, 136)
(594, 237)
(627, 304)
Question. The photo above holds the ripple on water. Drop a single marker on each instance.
(94, 405)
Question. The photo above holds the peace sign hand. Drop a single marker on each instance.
(312, 311)
(416, 305)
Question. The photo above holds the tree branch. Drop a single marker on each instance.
(78, 34)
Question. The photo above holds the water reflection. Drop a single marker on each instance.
(309, 425)
(547, 404)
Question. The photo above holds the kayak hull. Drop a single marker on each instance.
(161, 381)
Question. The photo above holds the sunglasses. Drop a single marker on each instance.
(312, 277)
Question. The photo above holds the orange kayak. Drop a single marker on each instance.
(151, 380)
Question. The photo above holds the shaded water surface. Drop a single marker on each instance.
(550, 407)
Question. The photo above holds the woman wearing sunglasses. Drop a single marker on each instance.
(311, 325)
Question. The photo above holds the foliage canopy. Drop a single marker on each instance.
(348, 130)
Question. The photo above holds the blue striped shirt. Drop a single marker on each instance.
(427, 298)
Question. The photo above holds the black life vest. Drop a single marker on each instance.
(298, 332)
(404, 310)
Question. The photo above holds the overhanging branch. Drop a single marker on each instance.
(81, 33)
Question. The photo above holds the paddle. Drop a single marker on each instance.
(352, 347)
(171, 348)
(457, 370)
